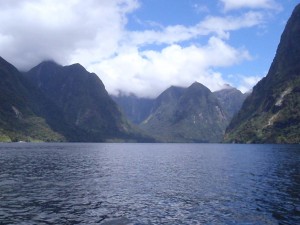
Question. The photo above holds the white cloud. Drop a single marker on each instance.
(94, 33)
(210, 25)
(34, 30)
(247, 82)
(253, 4)
(148, 73)
(199, 8)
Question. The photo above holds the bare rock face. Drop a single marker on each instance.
(231, 100)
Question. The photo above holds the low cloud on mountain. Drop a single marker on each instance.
(145, 62)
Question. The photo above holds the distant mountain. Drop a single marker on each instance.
(231, 100)
(82, 98)
(191, 114)
(157, 116)
(271, 114)
(67, 103)
(136, 109)
(25, 112)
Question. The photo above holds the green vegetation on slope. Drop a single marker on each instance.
(271, 114)
(18, 119)
(191, 114)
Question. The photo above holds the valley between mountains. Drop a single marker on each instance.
(54, 103)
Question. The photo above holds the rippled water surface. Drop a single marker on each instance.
(149, 184)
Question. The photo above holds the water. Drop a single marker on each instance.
(149, 184)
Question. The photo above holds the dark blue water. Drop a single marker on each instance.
(149, 184)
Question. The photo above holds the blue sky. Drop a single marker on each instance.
(260, 40)
(145, 46)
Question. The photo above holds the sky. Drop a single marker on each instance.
(142, 47)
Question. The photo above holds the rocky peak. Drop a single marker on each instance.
(271, 113)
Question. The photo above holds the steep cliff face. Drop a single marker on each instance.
(231, 100)
(136, 109)
(23, 116)
(82, 98)
(271, 114)
(193, 114)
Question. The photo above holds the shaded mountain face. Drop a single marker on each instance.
(271, 114)
(136, 109)
(191, 114)
(82, 98)
(231, 100)
(23, 113)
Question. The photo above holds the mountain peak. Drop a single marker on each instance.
(49, 63)
(271, 113)
(227, 86)
(175, 89)
(77, 69)
(197, 89)
(197, 85)
(169, 95)
(82, 99)
(288, 51)
(190, 114)
(77, 65)
(4, 63)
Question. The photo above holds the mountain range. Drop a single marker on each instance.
(51, 102)
(192, 114)
(58, 103)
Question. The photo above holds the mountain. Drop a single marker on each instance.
(271, 114)
(136, 109)
(83, 100)
(231, 100)
(24, 112)
(191, 114)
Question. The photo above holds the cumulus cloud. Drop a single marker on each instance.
(254, 4)
(34, 30)
(147, 73)
(94, 33)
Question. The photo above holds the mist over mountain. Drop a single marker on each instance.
(231, 100)
(184, 114)
(271, 114)
(51, 102)
(190, 114)
(136, 109)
